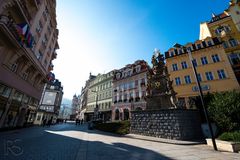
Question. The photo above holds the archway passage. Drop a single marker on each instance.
(117, 114)
(126, 114)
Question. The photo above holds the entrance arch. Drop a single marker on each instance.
(126, 114)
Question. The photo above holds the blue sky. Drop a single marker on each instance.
(98, 36)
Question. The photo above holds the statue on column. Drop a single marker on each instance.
(160, 93)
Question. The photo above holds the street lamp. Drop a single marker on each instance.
(200, 93)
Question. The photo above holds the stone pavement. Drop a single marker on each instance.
(70, 142)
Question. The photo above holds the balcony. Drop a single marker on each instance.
(8, 26)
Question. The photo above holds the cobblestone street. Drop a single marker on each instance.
(70, 142)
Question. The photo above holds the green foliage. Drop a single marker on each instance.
(115, 127)
(230, 136)
(224, 109)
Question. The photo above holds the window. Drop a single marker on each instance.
(199, 77)
(171, 53)
(25, 75)
(136, 83)
(14, 67)
(225, 44)
(5, 91)
(118, 75)
(194, 61)
(235, 58)
(209, 76)
(174, 67)
(204, 60)
(187, 79)
(215, 58)
(209, 43)
(177, 81)
(198, 46)
(17, 96)
(184, 65)
(138, 68)
(218, 31)
(221, 74)
(137, 94)
(189, 48)
(233, 42)
(143, 93)
(39, 55)
(180, 51)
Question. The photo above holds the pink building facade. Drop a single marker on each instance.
(28, 44)
(129, 90)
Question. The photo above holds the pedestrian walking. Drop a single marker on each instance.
(44, 122)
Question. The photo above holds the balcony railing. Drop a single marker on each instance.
(10, 25)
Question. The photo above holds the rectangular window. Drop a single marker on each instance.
(184, 65)
(180, 51)
(136, 83)
(143, 93)
(221, 74)
(209, 76)
(187, 79)
(174, 67)
(39, 55)
(198, 46)
(204, 60)
(199, 77)
(209, 43)
(225, 45)
(137, 94)
(194, 61)
(171, 53)
(233, 42)
(234, 58)
(215, 58)
(177, 81)
(5, 91)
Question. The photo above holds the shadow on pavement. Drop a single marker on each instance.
(45, 143)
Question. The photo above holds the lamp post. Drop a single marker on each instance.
(201, 97)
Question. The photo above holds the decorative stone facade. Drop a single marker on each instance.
(129, 90)
(170, 123)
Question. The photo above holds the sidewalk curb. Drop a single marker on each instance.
(163, 140)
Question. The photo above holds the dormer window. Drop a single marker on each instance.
(138, 68)
(209, 43)
(180, 51)
(118, 75)
(199, 46)
(189, 48)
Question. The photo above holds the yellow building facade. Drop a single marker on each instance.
(225, 27)
(213, 67)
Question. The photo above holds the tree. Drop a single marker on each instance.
(224, 109)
